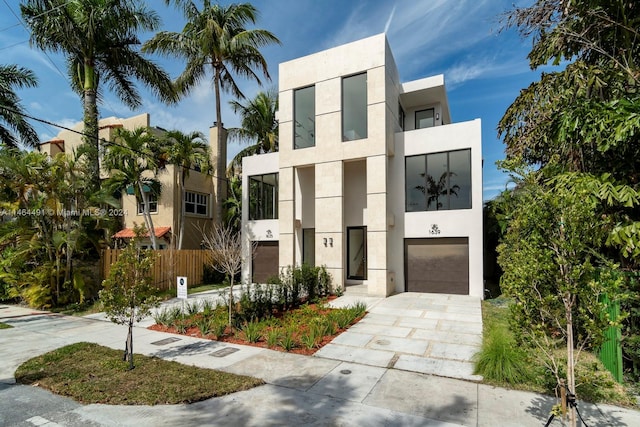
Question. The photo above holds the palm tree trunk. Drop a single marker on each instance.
(220, 160)
(182, 210)
(91, 138)
(147, 216)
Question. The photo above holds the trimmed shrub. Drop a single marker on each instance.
(500, 359)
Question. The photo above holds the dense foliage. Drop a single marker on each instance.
(572, 137)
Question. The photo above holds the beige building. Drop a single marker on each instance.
(165, 209)
(373, 180)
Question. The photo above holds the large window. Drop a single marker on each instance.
(153, 204)
(263, 196)
(354, 107)
(439, 181)
(304, 117)
(196, 203)
(425, 118)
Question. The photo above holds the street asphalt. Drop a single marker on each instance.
(341, 387)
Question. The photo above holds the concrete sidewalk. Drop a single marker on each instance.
(299, 390)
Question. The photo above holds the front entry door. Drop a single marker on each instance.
(357, 253)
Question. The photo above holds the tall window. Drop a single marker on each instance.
(401, 116)
(153, 204)
(304, 117)
(196, 203)
(439, 181)
(425, 118)
(263, 196)
(354, 107)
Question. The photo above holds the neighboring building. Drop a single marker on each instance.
(198, 203)
(373, 180)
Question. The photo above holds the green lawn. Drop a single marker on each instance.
(5, 326)
(90, 373)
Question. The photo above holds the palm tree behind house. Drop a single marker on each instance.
(433, 189)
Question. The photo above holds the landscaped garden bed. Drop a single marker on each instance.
(300, 330)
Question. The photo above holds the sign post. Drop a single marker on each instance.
(182, 287)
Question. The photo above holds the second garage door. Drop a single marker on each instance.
(437, 265)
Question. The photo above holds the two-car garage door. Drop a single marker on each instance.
(437, 265)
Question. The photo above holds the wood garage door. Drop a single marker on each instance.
(265, 262)
(437, 265)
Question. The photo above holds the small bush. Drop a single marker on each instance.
(287, 340)
(203, 324)
(252, 331)
(500, 359)
(218, 327)
(192, 308)
(273, 337)
(207, 307)
(163, 317)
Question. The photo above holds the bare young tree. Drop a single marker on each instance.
(226, 254)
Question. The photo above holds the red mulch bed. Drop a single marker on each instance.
(231, 337)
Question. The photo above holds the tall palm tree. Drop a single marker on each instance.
(259, 126)
(186, 151)
(12, 121)
(133, 160)
(98, 39)
(215, 39)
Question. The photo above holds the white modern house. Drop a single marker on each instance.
(373, 179)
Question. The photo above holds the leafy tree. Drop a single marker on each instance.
(583, 118)
(133, 160)
(53, 213)
(128, 295)
(215, 39)
(259, 127)
(12, 120)
(98, 39)
(553, 273)
(186, 151)
(233, 204)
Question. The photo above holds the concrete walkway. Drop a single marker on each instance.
(428, 333)
(300, 390)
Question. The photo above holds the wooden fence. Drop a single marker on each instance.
(169, 264)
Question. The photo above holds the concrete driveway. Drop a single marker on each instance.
(427, 333)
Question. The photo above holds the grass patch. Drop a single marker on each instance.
(5, 326)
(90, 373)
(504, 363)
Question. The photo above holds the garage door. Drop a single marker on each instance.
(437, 265)
(265, 262)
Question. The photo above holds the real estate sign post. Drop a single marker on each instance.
(182, 287)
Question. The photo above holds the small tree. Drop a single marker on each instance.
(225, 249)
(127, 296)
(554, 273)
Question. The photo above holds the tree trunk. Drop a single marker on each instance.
(128, 349)
(221, 162)
(90, 112)
(147, 216)
(571, 381)
(231, 307)
(182, 210)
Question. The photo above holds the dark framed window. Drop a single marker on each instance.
(438, 181)
(304, 117)
(425, 118)
(263, 196)
(401, 116)
(153, 204)
(354, 107)
(196, 203)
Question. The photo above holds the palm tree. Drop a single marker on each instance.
(133, 160)
(12, 120)
(97, 37)
(259, 126)
(436, 189)
(233, 204)
(215, 39)
(186, 151)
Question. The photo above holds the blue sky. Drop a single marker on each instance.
(484, 68)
